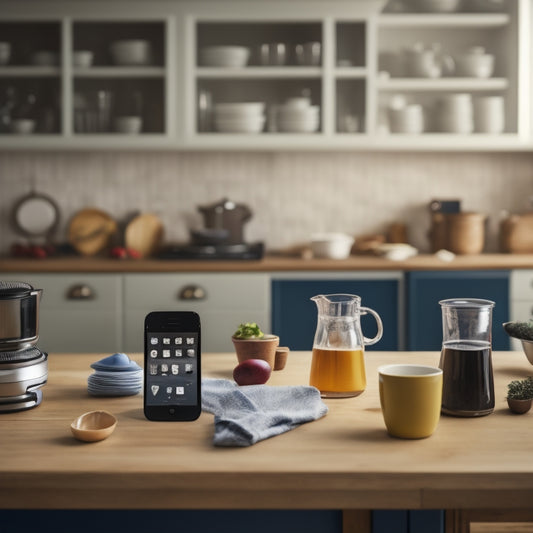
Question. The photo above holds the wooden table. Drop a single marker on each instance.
(346, 460)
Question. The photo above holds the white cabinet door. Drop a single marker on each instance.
(78, 312)
(222, 300)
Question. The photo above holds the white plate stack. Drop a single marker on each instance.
(455, 113)
(240, 117)
(297, 115)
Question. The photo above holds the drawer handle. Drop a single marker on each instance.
(81, 292)
(192, 292)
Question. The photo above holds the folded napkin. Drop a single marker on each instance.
(245, 415)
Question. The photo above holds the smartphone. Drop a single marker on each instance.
(172, 368)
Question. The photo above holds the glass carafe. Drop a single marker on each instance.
(338, 366)
(466, 358)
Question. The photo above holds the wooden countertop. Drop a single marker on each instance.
(344, 460)
(269, 264)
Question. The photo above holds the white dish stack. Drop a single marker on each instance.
(240, 117)
(455, 113)
(297, 115)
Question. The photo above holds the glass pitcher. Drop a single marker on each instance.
(338, 366)
(466, 357)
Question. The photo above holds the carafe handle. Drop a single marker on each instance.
(379, 334)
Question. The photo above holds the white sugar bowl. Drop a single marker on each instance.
(475, 63)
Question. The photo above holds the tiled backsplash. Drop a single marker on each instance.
(291, 194)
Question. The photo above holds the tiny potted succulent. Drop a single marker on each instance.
(520, 395)
(251, 343)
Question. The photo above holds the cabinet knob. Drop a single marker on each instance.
(81, 292)
(192, 292)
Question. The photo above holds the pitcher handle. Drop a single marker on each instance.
(379, 334)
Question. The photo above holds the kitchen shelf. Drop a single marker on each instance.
(453, 20)
(259, 72)
(443, 84)
(119, 72)
(29, 72)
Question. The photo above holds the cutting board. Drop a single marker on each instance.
(91, 230)
(144, 234)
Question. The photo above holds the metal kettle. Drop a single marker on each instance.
(227, 215)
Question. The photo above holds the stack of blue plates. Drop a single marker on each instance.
(116, 375)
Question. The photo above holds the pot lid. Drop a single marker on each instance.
(10, 290)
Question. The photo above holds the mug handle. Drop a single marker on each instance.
(379, 334)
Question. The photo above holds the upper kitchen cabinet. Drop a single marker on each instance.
(30, 78)
(453, 72)
(266, 74)
(76, 76)
(279, 75)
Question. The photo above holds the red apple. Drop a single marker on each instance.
(252, 372)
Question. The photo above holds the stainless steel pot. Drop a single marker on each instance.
(19, 315)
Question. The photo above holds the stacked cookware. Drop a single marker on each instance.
(23, 366)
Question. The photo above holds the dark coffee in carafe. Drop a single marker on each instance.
(468, 389)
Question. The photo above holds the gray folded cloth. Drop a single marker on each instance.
(247, 414)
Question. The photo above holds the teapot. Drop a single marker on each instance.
(423, 61)
(227, 215)
(338, 366)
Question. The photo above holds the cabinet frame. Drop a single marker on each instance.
(180, 74)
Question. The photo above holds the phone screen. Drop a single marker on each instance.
(172, 367)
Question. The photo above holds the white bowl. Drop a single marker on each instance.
(131, 52)
(331, 245)
(435, 6)
(240, 108)
(298, 127)
(130, 125)
(22, 126)
(224, 56)
(255, 125)
(82, 58)
(299, 102)
(397, 251)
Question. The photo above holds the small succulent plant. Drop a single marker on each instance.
(520, 389)
(248, 330)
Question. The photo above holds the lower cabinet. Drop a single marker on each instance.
(222, 300)
(78, 312)
(294, 315)
(425, 289)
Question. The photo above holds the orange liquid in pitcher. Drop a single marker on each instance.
(338, 373)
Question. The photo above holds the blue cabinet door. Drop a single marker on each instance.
(294, 315)
(425, 289)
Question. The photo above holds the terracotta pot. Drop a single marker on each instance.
(519, 407)
(265, 348)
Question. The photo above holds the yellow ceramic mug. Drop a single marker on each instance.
(410, 398)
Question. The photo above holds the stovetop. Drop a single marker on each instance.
(241, 251)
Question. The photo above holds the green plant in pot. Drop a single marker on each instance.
(520, 395)
(251, 343)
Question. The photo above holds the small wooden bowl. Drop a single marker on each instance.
(93, 426)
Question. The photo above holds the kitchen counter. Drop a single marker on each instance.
(344, 460)
(268, 264)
